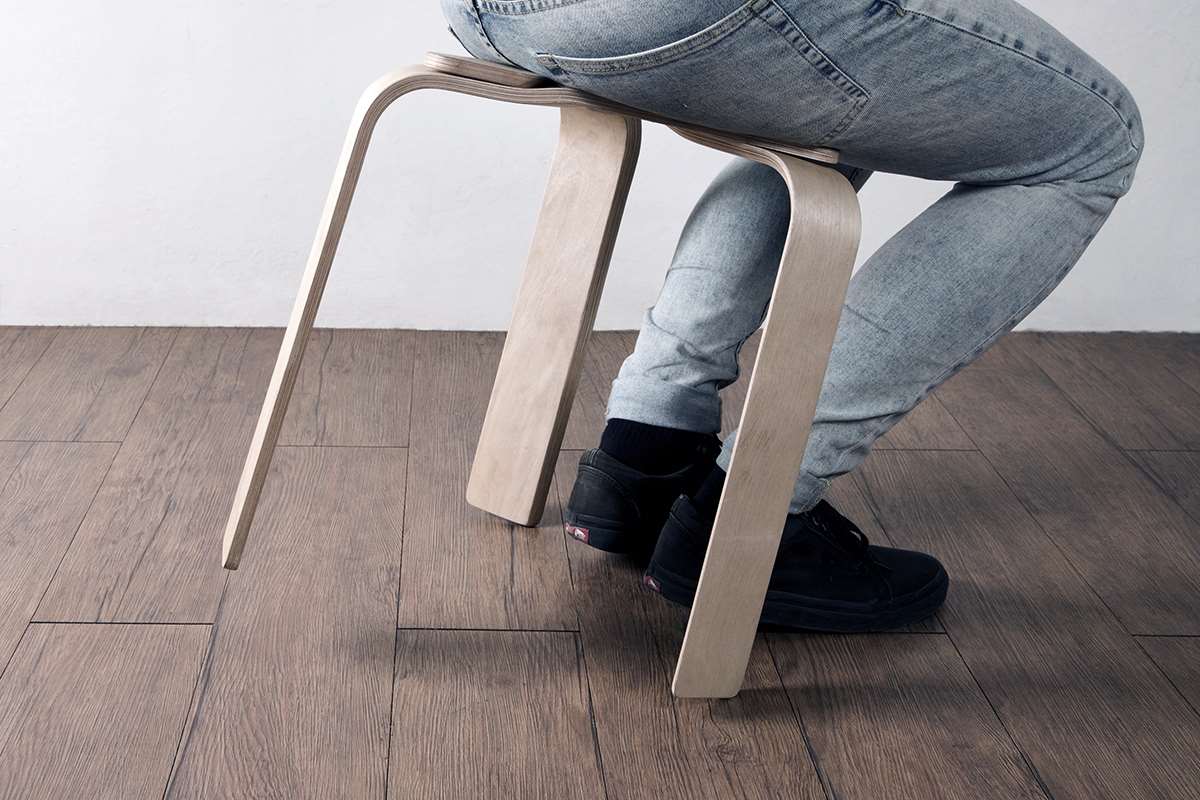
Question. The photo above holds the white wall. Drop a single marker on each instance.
(165, 163)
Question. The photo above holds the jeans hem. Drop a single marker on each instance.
(653, 402)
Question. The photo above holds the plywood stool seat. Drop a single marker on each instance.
(556, 306)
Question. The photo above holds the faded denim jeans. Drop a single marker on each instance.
(1040, 139)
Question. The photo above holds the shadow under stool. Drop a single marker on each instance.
(555, 309)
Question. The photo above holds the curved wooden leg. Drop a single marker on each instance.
(782, 398)
(555, 308)
(262, 446)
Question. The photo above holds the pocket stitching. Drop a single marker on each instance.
(657, 56)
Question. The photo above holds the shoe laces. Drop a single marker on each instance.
(825, 521)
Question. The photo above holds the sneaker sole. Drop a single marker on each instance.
(784, 612)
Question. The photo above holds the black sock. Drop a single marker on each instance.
(651, 449)
(706, 499)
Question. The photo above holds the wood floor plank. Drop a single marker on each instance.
(149, 549)
(354, 388)
(528, 731)
(96, 710)
(1180, 352)
(653, 745)
(1179, 658)
(1177, 474)
(294, 699)
(605, 353)
(87, 386)
(45, 490)
(464, 568)
(1091, 712)
(20, 349)
(1135, 546)
(929, 426)
(1122, 388)
(899, 716)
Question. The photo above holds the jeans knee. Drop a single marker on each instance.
(1132, 143)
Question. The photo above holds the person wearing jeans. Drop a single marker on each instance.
(1039, 138)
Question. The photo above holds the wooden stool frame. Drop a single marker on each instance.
(553, 317)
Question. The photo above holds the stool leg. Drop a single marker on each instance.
(805, 308)
(374, 101)
(556, 306)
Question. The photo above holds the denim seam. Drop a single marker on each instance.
(473, 12)
(815, 56)
(517, 8)
(1125, 123)
(660, 56)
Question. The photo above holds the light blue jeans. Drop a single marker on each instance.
(1040, 139)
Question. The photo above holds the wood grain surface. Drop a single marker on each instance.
(1134, 545)
(929, 426)
(145, 552)
(36, 525)
(464, 568)
(353, 389)
(1091, 712)
(87, 386)
(509, 719)
(20, 349)
(554, 313)
(307, 689)
(920, 726)
(1127, 390)
(656, 745)
(1176, 473)
(95, 711)
(294, 699)
(1179, 658)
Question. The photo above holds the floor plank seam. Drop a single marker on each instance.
(66, 550)
(104, 479)
(32, 367)
(148, 623)
(153, 381)
(344, 446)
(1033, 517)
(1029, 765)
(61, 441)
(1109, 439)
(581, 656)
(199, 694)
(387, 767)
(191, 702)
(813, 756)
(1179, 693)
(485, 630)
(582, 647)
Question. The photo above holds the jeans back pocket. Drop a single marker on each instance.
(754, 71)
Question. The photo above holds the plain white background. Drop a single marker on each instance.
(166, 163)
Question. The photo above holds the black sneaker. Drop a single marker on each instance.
(827, 576)
(617, 508)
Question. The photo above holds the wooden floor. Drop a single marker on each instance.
(382, 639)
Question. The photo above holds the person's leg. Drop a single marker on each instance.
(714, 298)
(1043, 141)
(1041, 138)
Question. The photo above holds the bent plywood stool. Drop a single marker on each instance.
(555, 309)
